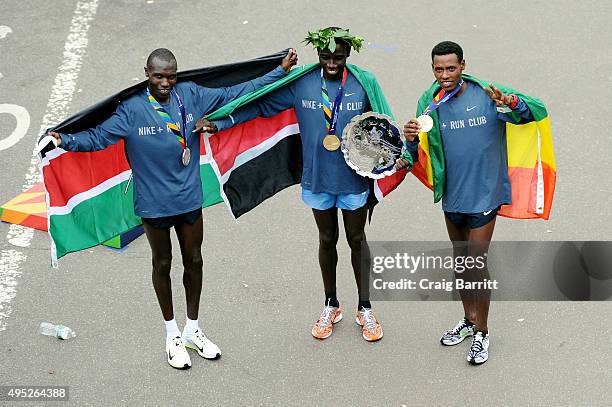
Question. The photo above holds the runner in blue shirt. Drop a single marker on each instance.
(473, 128)
(328, 183)
(156, 125)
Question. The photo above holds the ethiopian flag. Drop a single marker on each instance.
(87, 193)
(531, 160)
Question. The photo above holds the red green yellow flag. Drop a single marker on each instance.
(531, 159)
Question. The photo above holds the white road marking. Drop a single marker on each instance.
(57, 108)
(23, 124)
(4, 30)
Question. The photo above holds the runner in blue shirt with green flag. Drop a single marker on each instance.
(325, 99)
(465, 119)
(156, 125)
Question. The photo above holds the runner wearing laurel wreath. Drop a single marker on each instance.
(325, 98)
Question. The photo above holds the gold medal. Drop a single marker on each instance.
(331, 142)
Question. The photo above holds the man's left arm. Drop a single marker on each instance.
(210, 99)
(511, 102)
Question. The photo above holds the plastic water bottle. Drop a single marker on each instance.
(59, 331)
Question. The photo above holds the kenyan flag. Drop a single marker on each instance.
(255, 160)
(278, 167)
(86, 198)
(242, 166)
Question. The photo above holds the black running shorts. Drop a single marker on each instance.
(473, 220)
(166, 222)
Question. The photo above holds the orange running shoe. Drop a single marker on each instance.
(324, 326)
(370, 327)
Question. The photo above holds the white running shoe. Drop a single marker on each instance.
(177, 354)
(479, 351)
(456, 335)
(200, 343)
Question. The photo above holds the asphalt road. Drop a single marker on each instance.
(262, 286)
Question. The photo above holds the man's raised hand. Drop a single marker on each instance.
(289, 60)
(497, 96)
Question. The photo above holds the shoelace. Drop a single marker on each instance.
(477, 346)
(455, 331)
(178, 344)
(200, 335)
(368, 319)
(326, 316)
(197, 335)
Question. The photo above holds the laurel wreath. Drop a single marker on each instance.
(325, 38)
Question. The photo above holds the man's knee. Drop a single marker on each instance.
(193, 264)
(162, 265)
(328, 239)
(355, 239)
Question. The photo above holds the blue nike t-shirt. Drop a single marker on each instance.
(163, 186)
(323, 170)
(475, 151)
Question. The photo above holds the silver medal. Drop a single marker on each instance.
(186, 156)
(425, 123)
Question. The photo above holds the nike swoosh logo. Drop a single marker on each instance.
(467, 109)
(170, 356)
(349, 94)
(487, 212)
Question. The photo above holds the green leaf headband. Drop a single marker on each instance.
(325, 39)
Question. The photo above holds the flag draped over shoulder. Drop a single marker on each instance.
(242, 166)
(531, 160)
(86, 202)
(259, 158)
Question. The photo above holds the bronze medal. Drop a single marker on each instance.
(331, 142)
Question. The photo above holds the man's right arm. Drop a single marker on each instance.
(97, 138)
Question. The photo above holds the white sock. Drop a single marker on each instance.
(191, 326)
(172, 330)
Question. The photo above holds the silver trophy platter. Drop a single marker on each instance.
(371, 143)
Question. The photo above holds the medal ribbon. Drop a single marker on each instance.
(167, 119)
(442, 97)
(331, 116)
